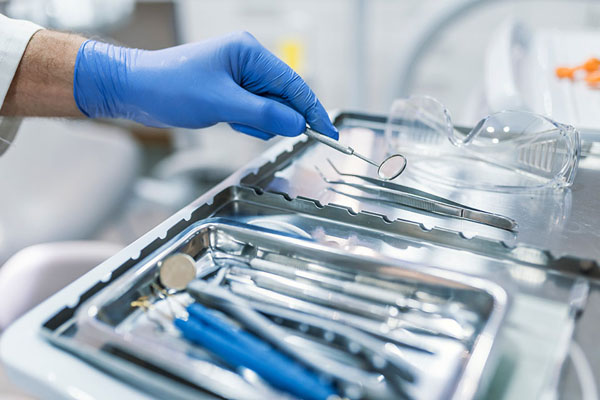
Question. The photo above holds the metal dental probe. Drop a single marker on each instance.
(388, 169)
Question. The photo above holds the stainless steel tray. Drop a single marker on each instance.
(367, 232)
(108, 332)
(283, 193)
(549, 233)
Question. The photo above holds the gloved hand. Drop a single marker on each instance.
(230, 79)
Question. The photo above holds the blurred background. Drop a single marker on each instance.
(80, 190)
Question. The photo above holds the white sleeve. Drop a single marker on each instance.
(14, 37)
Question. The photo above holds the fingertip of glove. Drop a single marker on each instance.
(336, 134)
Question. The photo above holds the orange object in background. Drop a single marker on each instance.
(565, 72)
(593, 79)
(591, 67)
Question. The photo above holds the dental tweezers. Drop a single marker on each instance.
(396, 194)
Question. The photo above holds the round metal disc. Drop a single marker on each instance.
(177, 270)
(392, 167)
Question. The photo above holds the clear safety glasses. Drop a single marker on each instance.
(505, 151)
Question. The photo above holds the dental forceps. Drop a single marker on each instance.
(396, 194)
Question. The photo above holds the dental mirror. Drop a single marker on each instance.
(177, 270)
(392, 167)
(387, 170)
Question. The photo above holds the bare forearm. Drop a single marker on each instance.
(43, 83)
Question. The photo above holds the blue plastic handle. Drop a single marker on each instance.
(241, 349)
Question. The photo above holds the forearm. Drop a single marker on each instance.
(43, 83)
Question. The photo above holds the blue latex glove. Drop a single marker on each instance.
(230, 79)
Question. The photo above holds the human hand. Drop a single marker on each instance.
(231, 79)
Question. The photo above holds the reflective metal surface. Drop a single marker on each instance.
(106, 321)
(547, 297)
(400, 195)
(563, 222)
(532, 341)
